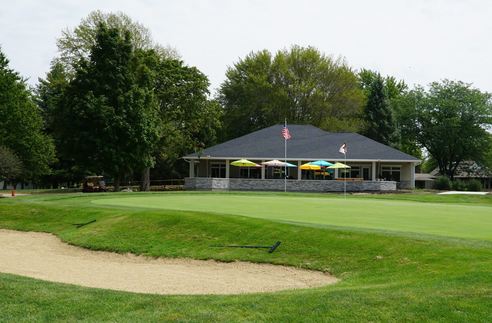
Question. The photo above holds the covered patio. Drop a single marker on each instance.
(362, 176)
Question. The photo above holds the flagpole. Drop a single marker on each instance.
(285, 159)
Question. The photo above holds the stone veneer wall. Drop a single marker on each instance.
(244, 184)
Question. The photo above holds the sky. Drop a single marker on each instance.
(419, 41)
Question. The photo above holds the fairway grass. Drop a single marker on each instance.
(383, 276)
(451, 220)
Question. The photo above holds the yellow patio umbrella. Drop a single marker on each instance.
(338, 165)
(244, 163)
(309, 166)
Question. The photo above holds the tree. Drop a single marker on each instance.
(449, 120)
(111, 109)
(300, 84)
(379, 120)
(49, 96)
(188, 116)
(21, 125)
(486, 160)
(393, 87)
(76, 44)
(10, 164)
(382, 112)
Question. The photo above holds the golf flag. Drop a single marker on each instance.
(285, 132)
(343, 149)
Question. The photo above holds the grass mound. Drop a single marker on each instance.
(385, 277)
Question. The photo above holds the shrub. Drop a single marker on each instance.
(474, 185)
(458, 185)
(442, 183)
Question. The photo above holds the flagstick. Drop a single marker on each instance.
(285, 159)
(345, 180)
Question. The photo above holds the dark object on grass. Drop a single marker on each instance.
(94, 184)
(80, 225)
(270, 248)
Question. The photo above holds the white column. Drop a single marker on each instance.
(192, 168)
(299, 170)
(373, 171)
(336, 173)
(412, 175)
(407, 175)
(228, 166)
(262, 170)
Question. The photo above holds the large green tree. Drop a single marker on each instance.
(384, 118)
(191, 120)
(108, 120)
(76, 44)
(187, 117)
(378, 116)
(50, 94)
(300, 84)
(449, 120)
(21, 125)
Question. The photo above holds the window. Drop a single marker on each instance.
(250, 172)
(218, 169)
(355, 172)
(390, 173)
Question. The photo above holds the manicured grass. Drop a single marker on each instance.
(433, 197)
(384, 277)
(444, 219)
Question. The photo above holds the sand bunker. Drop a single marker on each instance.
(462, 193)
(44, 256)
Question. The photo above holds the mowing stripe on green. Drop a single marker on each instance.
(461, 221)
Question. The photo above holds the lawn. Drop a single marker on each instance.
(444, 219)
(391, 269)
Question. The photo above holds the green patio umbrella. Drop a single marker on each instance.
(244, 163)
(338, 165)
(341, 165)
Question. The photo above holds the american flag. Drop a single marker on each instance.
(285, 132)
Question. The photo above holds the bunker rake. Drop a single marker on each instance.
(270, 248)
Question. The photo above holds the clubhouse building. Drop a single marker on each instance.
(373, 166)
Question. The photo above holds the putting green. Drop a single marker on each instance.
(451, 220)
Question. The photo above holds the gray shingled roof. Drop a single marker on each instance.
(307, 143)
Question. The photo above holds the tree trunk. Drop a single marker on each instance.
(117, 183)
(145, 186)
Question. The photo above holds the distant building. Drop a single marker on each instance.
(469, 170)
(374, 166)
(424, 180)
